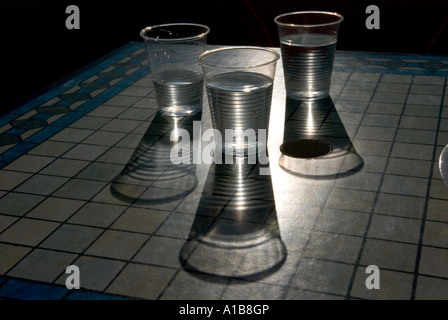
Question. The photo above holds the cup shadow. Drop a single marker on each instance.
(235, 233)
(315, 142)
(150, 176)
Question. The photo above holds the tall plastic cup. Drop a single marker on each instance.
(173, 51)
(239, 82)
(308, 43)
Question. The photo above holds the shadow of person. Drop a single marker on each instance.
(315, 142)
(241, 239)
(151, 177)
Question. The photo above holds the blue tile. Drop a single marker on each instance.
(397, 56)
(85, 90)
(143, 71)
(42, 116)
(414, 64)
(68, 119)
(7, 118)
(102, 80)
(27, 290)
(90, 295)
(120, 69)
(99, 65)
(374, 69)
(23, 147)
(90, 105)
(109, 59)
(109, 93)
(126, 82)
(440, 73)
(65, 103)
(428, 57)
(26, 107)
(433, 65)
(70, 83)
(9, 139)
(85, 74)
(16, 151)
(414, 72)
(44, 134)
(15, 131)
(126, 50)
(51, 93)
(75, 96)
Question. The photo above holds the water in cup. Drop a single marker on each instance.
(308, 64)
(240, 101)
(179, 92)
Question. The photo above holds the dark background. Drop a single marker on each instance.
(37, 49)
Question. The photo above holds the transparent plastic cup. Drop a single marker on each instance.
(173, 51)
(308, 44)
(239, 82)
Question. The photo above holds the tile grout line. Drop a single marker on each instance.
(74, 146)
(172, 211)
(48, 196)
(128, 206)
(37, 246)
(358, 259)
(150, 236)
(372, 210)
(427, 197)
(321, 208)
(62, 223)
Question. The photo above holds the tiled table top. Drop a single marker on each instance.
(85, 180)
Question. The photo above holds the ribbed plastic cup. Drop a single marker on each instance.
(239, 82)
(308, 44)
(173, 51)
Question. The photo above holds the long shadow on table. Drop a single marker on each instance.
(151, 177)
(235, 233)
(315, 142)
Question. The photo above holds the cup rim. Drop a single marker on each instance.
(339, 20)
(158, 39)
(202, 55)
